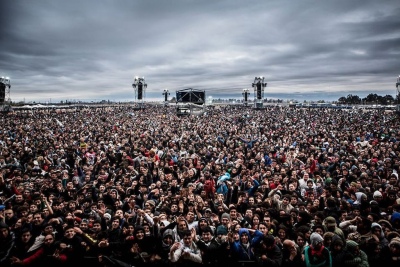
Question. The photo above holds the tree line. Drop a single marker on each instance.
(371, 99)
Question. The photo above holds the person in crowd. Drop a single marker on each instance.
(391, 254)
(114, 169)
(7, 242)
(267, 253)
(71, 246)
(142, 250)
(354, 256)
(243, 249)
(214, 248)
(186, 252)
(337, 249)
(373, 251)
(46, 255)
(316, 254)
(163, 248)
(22, 246)
(291, 254)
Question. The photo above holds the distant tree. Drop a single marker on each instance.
(380, 100)
(389, 99)
(371, 98)
(342, 100)
(349, 98)
(368, 100)
(364, 100)
(353, 99)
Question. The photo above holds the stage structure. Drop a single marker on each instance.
(166, 94)
(259, 86)
(246, 94)
(5, 99)
(139, 86)
(398, 94)
(190, 102)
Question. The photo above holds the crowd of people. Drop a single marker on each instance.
(280, 186)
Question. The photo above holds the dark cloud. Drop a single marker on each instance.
(93, 49)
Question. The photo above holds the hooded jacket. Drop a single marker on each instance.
(353, 258)
(317, 258)
(244, 252)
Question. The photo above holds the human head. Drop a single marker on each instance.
(394, 246)
(244, 235)
(263, 228)
(69, 232)
(187, 237)
(38, 218)
(330, 223)
(168, 237)
(139, 233)
(207, 234)
(225, 218)
(316, 241)
(352, 247)
(48, 239)
(26, 235)
(4, 230)
(289, 244)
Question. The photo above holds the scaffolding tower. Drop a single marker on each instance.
(258, 86)
(5, 97)
(139, 85)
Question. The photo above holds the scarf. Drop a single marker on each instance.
(246, 246)
(317, 252)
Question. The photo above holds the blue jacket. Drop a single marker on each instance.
(222, 188)
(240, 252)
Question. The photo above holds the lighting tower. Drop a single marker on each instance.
(245, 94)
(258, 86)
(139, 86)
(398, 94)
(166, 94)
(5, 99)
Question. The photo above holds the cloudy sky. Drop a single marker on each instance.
(92, 49)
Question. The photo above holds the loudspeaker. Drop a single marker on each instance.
(2, 93)
(259, 90)
(140, 91)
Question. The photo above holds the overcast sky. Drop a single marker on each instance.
(80, 49)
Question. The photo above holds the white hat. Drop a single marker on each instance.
(377, 194)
